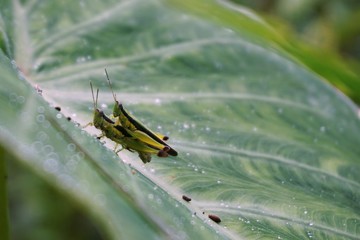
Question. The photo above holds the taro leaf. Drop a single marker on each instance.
(263, 143)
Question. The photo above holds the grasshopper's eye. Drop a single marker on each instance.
(165, 138)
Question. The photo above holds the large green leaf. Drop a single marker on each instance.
(263, 143)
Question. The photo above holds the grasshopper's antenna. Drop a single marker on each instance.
(97, 94)
(112, 91)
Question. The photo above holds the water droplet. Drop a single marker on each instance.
(40, 118)
(186, 126)
(20, 99)
(322, 129)
(46, 124)
(40, 109)
(218, 181)
(71, 147)
(51, 165)
(80, 59)
(305, 212)
(104, 106)
(12, 97)
(80, 155)
(47, 149)
(58, 115)
(311, 224)
(159, 201)
(71, 165)
(53, 155)
(151, 196)
(36, 146)
(42, 136)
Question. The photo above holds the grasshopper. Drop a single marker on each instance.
(141, 132)
(122, 136)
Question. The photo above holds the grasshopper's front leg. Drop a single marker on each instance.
(116, 146)
(101, 136)
(88, 124)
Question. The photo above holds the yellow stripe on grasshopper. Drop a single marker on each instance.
(148, 140)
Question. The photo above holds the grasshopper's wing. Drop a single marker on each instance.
(141, 128)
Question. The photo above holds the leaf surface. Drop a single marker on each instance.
(263, 143)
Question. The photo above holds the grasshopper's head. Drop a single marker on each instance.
(98, 118)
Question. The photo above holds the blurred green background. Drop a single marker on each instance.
(328, 27)
(325, 24)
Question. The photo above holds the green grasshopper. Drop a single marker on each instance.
(123, 136)
(141, 132)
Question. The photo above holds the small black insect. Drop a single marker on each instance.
(186, 198)
(215, 218)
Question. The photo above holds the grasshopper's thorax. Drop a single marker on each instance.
(126, 123)
(123, 118)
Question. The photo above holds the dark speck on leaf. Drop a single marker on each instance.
(186, 198)
(214, 218)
